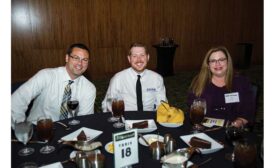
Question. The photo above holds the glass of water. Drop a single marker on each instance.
(23, 131)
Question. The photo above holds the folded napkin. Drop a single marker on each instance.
(53, 165)
(169, 114)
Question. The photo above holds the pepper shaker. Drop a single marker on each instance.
(170, 146)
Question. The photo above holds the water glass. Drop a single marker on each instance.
(23, 131)
(245, 155)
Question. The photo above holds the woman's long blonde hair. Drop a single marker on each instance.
(204, 77)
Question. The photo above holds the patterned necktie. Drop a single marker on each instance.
(139, 95)
(66, 97)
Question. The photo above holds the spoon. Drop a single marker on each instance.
(142, 137)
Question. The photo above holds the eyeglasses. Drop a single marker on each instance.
(77, 58)
(220, 61)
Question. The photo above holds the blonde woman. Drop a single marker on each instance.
(228, 96)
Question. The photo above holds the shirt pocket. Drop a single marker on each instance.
(148, 98)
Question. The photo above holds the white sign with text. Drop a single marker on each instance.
(125, 148)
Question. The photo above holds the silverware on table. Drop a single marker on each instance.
(142, 137)
(64, 125)
(212, 129)
(39, 142)
(68, 160)
(164, 105)
(204, 162)
(200, 164)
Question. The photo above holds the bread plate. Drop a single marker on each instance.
(150, 138)
(109, 147)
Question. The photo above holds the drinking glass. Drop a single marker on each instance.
(109, 100)
(197, 112)
(72, 104)
(45, 132)
(245, 154)
(233, 136)
(23, 131)
(118, 110)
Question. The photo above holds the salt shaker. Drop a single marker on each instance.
(167, 137)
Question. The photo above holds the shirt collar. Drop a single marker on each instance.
(134, 73)
(66, 77)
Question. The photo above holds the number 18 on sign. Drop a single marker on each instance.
(126, 148)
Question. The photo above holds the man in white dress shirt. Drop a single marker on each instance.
(124, 82)
(47, 88)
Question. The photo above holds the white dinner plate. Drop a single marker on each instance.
(151, 125)
(170, 125)
(107, 148)
(150, 138)
(90, 134)
(215, 146)
(53, 165)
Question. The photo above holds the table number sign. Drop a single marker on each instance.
(125, 148)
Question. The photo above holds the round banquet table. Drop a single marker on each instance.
(99, 122)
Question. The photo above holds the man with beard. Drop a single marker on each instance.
(124, 83)
(48, 88)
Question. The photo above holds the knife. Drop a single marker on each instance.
(39, 142)
(212, 129)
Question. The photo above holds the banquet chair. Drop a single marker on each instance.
(255, 94)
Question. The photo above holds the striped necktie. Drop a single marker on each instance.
(66, 97)
(139, 95)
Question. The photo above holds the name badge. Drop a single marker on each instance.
(232, 97)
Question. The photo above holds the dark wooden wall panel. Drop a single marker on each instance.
(42, 30)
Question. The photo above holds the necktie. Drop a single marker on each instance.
(139, 95)
(66, 97)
